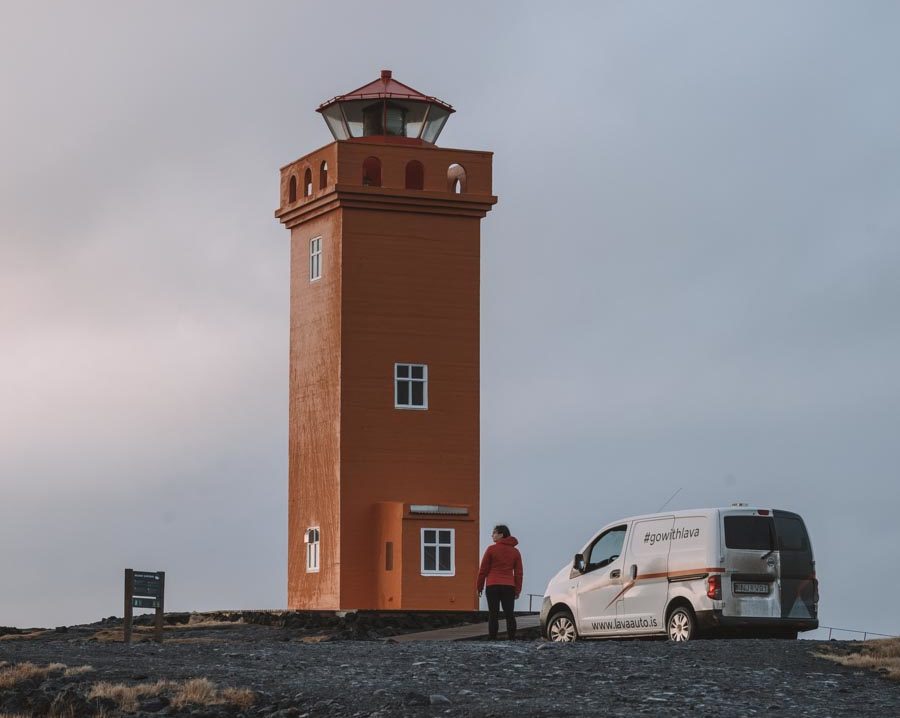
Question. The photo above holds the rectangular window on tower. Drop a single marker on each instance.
(312, 550)
(438, 552)
(315, 258)
(410, 386)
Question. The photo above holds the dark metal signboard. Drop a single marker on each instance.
(144, 589)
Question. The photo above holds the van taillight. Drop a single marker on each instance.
(714, 588)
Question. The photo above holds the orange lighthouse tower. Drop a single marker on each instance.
(384, 355)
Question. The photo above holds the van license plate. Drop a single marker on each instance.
(741, 587)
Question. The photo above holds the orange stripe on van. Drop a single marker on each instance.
(664, 574)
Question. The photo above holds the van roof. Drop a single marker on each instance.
(703, 512)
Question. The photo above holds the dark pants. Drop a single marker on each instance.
(497, 595)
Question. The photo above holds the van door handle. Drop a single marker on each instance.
(615, 573)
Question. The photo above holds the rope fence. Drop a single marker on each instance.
(865, 634)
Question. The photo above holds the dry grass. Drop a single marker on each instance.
(127, 696)
(199, 691)
(197, 621)
(194, 640)
(147, 633)
(13, 715)
(881, 655)
(117, 635)
(240, 697)
(11, 675)
(313, 639)
(196, 691)
(108, 635)
(22, 636)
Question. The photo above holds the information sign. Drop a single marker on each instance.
(144, 589)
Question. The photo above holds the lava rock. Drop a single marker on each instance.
(154, 704)
(414, 698)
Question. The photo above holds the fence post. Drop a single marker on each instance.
(829, 633)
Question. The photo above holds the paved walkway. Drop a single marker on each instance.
(468, 632)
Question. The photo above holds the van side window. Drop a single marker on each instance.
(606, 549)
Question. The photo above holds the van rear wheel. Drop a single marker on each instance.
(561, 628)
(681, 626)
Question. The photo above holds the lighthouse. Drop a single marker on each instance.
(383, 438)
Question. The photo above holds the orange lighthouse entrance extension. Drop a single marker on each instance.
(384, 424)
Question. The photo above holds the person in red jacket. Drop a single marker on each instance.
(501, 573)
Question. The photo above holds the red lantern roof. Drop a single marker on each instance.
(386, 87)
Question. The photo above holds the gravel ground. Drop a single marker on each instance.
(295, 677)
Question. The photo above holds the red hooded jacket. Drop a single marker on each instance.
(501, 565)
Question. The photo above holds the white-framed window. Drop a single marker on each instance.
(410, 386)
(315, 258)
(438, 552)
(312, 549)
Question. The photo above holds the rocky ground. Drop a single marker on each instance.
(304, 671)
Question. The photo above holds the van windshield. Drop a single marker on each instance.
(749, 532)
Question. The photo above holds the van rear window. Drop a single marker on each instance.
(791, 534)
(749, 532)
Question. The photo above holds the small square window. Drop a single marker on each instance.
(410, 386)
(438, 552)
(315, 258)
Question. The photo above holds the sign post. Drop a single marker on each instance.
(144, 589)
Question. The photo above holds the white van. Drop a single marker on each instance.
(685, 573)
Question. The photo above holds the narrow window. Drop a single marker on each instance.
(415, 175)
(315, 258)
(371, 172)
(438, 552)
(292, 189)
(389, 556)
(307, 182)
(456, 178)
(323, 175)
(410, 386)
(312, 549)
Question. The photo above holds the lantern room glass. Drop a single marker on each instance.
(334, 118)
(353, 119)
(437, 116)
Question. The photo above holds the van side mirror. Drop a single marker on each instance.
(578, 563)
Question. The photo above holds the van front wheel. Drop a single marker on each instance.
(562, 628)
(681, 625)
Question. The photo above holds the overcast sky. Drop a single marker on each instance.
(691, 280)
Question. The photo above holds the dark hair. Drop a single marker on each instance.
(502, 529)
